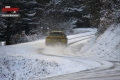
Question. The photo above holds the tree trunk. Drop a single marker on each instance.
(8, 32)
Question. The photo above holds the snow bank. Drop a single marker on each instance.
(16, 67)
(83, 30)
(106, 46)
(2, 43)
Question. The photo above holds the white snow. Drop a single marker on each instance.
(32, 14)
(83, 30)
(81, 35)
(27, 61)
(106, 46)
(2, 43)
(33, 60)
(72, 9)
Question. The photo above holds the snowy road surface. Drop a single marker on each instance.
(26, 61)
(104, 72)
(107, 70)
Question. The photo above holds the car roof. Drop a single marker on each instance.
(56, 31)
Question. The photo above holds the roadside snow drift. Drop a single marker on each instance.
(16, 67)
(83, 30)
(106, 46)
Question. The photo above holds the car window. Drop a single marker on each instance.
(56, 34)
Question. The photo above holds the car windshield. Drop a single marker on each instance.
(56, 34)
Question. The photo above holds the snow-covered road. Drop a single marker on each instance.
(104, 72)
(107, 69)
(99, 69)
(35, 61)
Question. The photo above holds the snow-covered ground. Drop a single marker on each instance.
(105, 50)
(83, 30)
(33, 60)
(106, 46)
(26, 61)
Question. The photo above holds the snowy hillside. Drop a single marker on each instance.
(106, 46)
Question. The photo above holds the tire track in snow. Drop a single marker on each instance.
(79, 39)
(80, 36)
(102, 72)
(92, 74)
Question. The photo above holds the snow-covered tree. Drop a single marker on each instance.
(110, 11)
(28, 10)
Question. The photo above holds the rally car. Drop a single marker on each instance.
(56, 37)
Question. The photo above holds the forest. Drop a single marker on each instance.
(38, 17)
